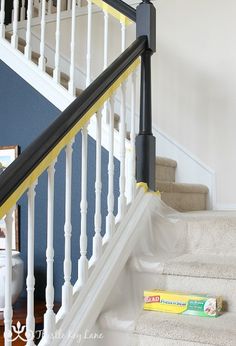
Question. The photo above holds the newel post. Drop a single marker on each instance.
(145, 141)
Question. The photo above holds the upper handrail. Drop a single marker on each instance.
(123, 8)
(26, 163)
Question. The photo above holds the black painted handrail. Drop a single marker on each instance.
(123, 8)
(30, 158)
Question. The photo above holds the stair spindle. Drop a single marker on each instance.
(30, 281)
(69, 5)
(22, 10)
(110, 219)
(56, 72)
(8, 312)
(49, 7)
(49, 316)
(28, 30)
(72, 45)
(106, 28)
(97, 239)
(83, 261)
(14, 38)
(132, 135)
(2, 19)
(123, 36)
(105, 60)
(67, 288)
(40, 8)
(89, 35)
(122, 200)
(42, 41)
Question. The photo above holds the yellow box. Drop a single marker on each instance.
(182, 303)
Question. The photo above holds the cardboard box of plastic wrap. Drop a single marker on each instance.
(180, 303)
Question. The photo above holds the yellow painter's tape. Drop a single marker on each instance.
(115, 13)
(146, 189)
(45, 163)
(143, 186)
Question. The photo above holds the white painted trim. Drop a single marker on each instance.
(80, 75)
(190, 169)
(223, 206)
(92, 297)
(184, 150)
(30, 72)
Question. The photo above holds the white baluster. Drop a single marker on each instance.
(42, 41)
(132, 189)
(83, 261)
(67, 288)
(110, 219)
(89, 35)
(28, 30)
(97, 239)
(123, 36)
(22, 11)
(8, 312)
(2, 19)
(30, 281)
(49, 7)
(106, 28)
(122, 201)
(68, 5)
(49, 316)
(14, 38)
(105, 60)
(72, 46)
(40, 8)
(56, 72)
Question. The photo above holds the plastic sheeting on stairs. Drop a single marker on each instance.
(166, 238)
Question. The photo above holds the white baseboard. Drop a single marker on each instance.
(226, 207)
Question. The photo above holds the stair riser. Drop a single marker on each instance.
(165, 173)
(211, 237)
(214, 287)
(118, 338)
(185, 201)
(146, 340)
(204, 237)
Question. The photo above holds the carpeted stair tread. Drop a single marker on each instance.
(183, 197)
(208, 331)
(78, 92)
(165, 169)
(21, 41)
(182, 329)
(191, 265)
(64, 76)
(181, 187)
(163, 161)
(35, 56)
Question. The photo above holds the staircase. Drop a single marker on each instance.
(179, 196)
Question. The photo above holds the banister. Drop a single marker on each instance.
(123, 8)
(26, 163)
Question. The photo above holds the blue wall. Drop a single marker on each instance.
(24, 114)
